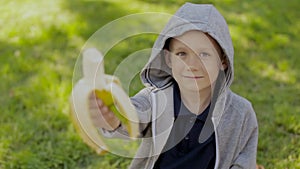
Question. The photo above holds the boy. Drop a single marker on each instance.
(189, 118)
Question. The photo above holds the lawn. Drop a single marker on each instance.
(40, 43)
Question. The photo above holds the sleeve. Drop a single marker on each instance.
(248, 144)
(142, 103)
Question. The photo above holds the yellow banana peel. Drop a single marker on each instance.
(108, 89)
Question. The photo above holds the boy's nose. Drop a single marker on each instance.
(194, 63)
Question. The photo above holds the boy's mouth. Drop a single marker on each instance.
(193, 77)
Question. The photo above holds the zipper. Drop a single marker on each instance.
(153, 117)
(150, 161)
(217, 145)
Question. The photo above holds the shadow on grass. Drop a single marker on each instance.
(94, 14)
(35, 130)
(35, 127)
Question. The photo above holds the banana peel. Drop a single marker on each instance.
(91, 139)
(108, 89)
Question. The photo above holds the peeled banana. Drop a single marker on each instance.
(108, 89)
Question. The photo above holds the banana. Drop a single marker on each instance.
(108, 89)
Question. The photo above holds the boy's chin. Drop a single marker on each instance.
(196, 88)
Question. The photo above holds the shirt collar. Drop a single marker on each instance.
(181, 110)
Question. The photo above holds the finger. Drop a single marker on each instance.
(98, 118)
(100, 103)
(92, 95)
(104, 110)
(95, 114)
(110, 114)
(114, 121)
(93, 103)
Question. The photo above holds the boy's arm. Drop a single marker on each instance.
(142, 103)
(249, 139)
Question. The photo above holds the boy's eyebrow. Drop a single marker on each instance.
(185, 48)
(178, 48)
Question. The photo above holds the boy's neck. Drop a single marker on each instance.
(196, 102)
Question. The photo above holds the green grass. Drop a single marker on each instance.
(40, 42)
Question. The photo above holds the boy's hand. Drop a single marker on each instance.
(101, 116)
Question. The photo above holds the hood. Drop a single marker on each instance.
(202, 17)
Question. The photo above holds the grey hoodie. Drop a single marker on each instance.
(232, 119)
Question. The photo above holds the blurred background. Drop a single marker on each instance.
(40, 42)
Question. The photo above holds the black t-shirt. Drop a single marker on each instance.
(183, 149)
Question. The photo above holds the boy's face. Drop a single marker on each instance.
(195, 61)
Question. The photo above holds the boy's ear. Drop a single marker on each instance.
(167, 56)
(224, 65)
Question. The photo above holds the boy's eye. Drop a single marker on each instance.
(180, 54)
(204, 54)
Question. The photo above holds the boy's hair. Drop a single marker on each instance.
(213, 41)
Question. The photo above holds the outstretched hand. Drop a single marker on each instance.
(101, 116)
